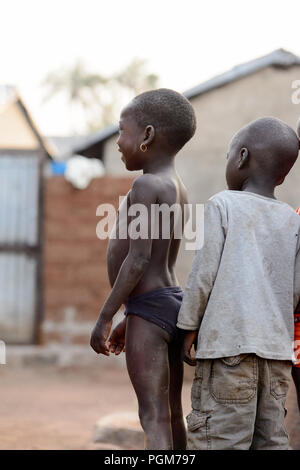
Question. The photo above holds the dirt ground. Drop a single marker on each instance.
(51, 408)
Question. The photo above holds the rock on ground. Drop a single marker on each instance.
(120, 429)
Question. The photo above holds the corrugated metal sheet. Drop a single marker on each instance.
(18, 200)
(19, 183)
(17, 294)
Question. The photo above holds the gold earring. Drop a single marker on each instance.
(143, 147)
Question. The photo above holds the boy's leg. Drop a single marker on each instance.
(148, 368)
(224, 394)
(270, 432)
(176, 380)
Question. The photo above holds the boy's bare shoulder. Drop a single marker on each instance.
(147, 181)
(152, 188)
(145, 187)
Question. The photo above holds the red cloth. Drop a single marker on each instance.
(297, 329)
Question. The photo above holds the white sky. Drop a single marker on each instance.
(185, 42)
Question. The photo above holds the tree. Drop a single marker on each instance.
(80, 87)
(95, 99)
(135, 77)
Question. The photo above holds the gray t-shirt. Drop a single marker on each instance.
(245, 281)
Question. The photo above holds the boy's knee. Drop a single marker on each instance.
(149, 417)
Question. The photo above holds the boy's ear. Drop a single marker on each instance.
(279, 182)
(243, 157)
(149, 135)
(298, 128)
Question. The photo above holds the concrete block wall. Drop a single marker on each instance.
(74, 262)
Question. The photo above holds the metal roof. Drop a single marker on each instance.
(97, 138)
(8, 95)
(65, 146)
(279, 58)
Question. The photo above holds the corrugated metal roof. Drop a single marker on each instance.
(65, 146)
(96, 138)
(278, 58)
(7, 94)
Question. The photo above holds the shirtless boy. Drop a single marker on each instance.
(153, 128)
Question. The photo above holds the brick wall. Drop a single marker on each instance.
(75, 277)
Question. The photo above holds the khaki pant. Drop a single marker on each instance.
(238, 403)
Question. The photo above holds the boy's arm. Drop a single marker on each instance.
(144, 192)
(204, 269)
(189, 339)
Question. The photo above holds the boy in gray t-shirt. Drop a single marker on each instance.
(240, 298)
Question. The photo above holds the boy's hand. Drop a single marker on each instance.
(116, 342)
(99, 336)
(190, 338)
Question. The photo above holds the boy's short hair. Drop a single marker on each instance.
(168, 112)
(274, 142)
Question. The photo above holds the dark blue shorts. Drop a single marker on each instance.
(159, 306)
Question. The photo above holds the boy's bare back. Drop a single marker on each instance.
(166, 188)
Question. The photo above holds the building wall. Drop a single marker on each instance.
(15, 132)
(220, 113)
(75, 276)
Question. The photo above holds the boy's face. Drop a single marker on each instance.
(130, 138)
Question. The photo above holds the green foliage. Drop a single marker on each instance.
(95, 99)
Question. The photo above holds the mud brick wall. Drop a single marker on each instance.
(74, 264)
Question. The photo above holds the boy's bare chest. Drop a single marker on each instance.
(119, 232)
